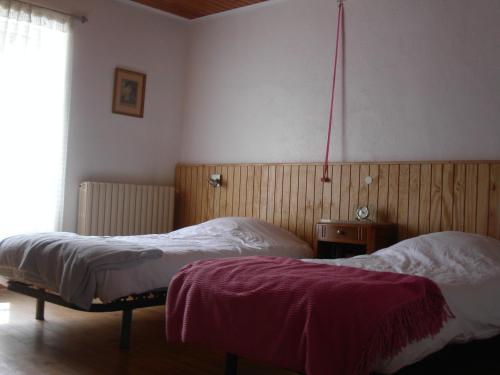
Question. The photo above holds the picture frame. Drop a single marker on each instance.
(129, 93)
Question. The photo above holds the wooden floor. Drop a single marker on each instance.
(71, 342)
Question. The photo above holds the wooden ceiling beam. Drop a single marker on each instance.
(192, 9)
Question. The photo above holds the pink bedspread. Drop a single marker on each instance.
(313, 318)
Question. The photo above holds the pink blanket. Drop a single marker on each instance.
(313, 318)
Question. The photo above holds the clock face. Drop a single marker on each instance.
(362, 213)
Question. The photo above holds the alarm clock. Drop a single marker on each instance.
(362, 213)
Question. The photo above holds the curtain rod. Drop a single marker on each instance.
(82, 19)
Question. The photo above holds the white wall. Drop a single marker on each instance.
(422, 81)
(106, 147)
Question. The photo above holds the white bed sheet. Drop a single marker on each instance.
(466, 267)
(224, 237)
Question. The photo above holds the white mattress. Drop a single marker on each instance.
(224, 237)
(466, 267)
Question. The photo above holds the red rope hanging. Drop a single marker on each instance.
(340, 19)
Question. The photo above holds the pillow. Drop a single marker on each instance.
(249, 232)
(456, 254)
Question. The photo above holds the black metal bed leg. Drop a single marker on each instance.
(126, 328)
(40, 309)
(231, 364)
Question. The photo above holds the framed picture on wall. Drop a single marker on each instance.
(129, 92)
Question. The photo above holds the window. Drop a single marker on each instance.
(33, 100)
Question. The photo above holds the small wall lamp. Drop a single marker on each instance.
(215, 180)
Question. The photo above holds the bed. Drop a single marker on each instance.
(465, 267)
(102, 274)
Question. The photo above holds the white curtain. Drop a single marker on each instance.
(33, 116)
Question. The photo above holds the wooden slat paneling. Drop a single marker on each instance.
(354, 191)
(471, 201)
(364, 171)
(309, 209)
(447, 200)
(327, 206)
(403, 196)
(383, 193)
(204, 193)
(230, 190)
(483, 197)
(236, 191)
(318, 195)
(285, 208)
(264, 186)
(249, 190)
(243, 190)
(494, 219)
(393, 198)
(211, 196)
(189, 193)
(294, 196)
(344, 192)
(459, 197)
(301, 201)
(278, 195)
(424, 215)
(271, 193)
(436, 197)
(373, 189)
(223, 191)
(181, 196)
(414, 200)
(334, 186)
(179, 190)
(257, 176)
(218, 193)
(419, 197)
(199, 194)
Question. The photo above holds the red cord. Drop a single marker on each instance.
(340, 17)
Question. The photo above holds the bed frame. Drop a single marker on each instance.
(231, 365)
(127, 305)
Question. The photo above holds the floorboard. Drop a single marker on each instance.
(71, 342)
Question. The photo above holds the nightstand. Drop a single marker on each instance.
(340, 239)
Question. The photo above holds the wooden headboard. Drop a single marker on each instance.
(421, 197)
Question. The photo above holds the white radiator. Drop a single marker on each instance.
(108, 209)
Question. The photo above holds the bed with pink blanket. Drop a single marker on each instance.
(348, 316)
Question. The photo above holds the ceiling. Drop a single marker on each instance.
(192, 9)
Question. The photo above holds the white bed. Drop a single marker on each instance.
(218, 238)
(466, 267)
(224, 237)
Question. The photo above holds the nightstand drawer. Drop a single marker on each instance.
(340, 233)
(341, 239)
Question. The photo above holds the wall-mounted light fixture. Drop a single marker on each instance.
(215, 180)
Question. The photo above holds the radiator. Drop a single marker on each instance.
(109, 209)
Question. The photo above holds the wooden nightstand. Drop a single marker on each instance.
(341, 239)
